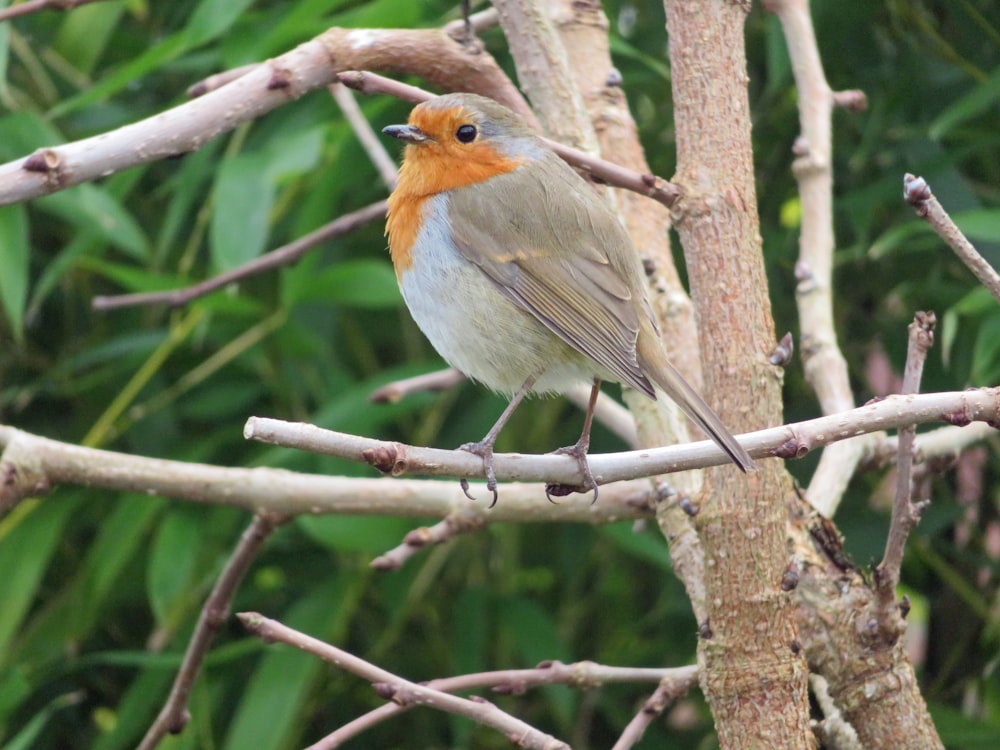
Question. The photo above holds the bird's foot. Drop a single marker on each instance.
(484, 450)
(579, 452)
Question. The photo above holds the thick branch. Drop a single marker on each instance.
(429, 53)
(291, 493)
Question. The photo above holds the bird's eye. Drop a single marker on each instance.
(466, 133)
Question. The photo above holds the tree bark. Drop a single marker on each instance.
(753, 675)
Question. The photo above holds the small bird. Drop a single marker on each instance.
(518, 272)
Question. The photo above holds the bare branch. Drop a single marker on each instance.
(35, 6)
(174, 715)
(789, 441)
(399, 690)
(905, 513)
(452, 525)
(669, 690)
(583, 674)
(430, 53)
(918, 194)
(373, 145)
(262, 490)
(440, 380)
(824, 364)
(218, 80)
(646, 184)
(282, 256)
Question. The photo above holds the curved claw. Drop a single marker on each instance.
(485, 451)
(579, 452)
(465, 488)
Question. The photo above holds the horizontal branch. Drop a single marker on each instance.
(45, 463)
(789, 441)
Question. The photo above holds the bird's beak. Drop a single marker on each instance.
(408, 133)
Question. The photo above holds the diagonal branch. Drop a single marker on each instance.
(174, 715)
(282, 256)
(404, 692)
(918, 194)
(676, 680)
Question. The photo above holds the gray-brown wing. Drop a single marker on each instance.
(578, 292)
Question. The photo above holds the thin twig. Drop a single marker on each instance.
(669, 690)
(372, 144)
(918, 194)
(399, 690)
(604, 171)
(35, 6)
(824, 364)
(837, 733)
(477, 22)
(583, 674)
(905, 513)
(439, 380)
(218, 80)
(174, 715)
(450, 526)
(282, 256)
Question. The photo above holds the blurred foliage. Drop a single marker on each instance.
(100, 591)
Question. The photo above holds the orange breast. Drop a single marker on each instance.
(428, 169)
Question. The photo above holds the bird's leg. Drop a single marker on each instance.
(579, 452)
(484, 448)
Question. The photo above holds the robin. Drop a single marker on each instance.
(519, 274)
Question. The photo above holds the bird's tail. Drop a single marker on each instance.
(671, 382)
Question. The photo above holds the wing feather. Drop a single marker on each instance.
(580, 293)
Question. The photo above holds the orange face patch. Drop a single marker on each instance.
(439, 164)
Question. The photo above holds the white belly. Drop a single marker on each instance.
(478, 330)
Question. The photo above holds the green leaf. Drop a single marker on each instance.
(136, 710)
(957, 730)
(243, 201)
(172, 564)
(537, 638)
(27, 543)
(642, 545)
(213, 17)
(975, 102)
(92, 209)
(981, 224)
(366, 534)
(274, 698)
(85, 33)
(14, 265)
(154, 58)
(986, 356)
(366, 284)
